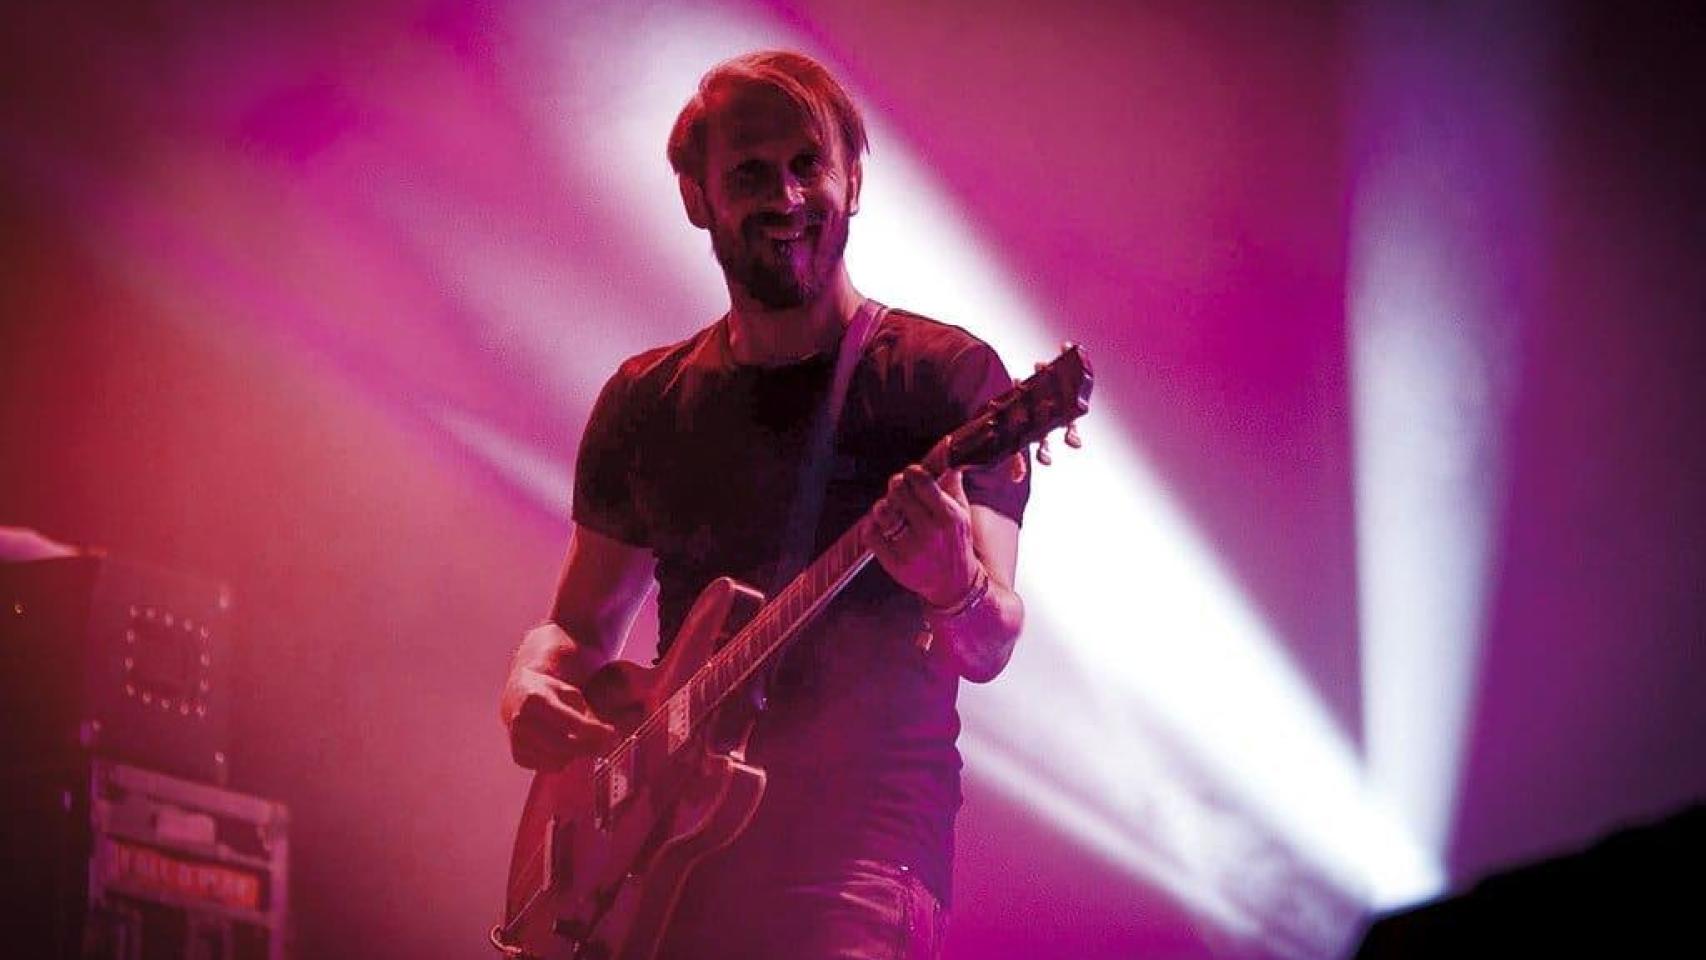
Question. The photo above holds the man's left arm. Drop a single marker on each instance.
(961, 559)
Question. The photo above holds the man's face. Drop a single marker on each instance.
(779, 198)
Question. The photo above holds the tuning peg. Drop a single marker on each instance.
(1073, 440)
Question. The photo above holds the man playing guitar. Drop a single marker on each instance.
(687, 472)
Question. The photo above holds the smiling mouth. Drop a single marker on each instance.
(786, 229)
(786, 234)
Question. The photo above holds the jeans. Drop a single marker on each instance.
(859, 910)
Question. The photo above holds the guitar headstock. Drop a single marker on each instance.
(1057, 394)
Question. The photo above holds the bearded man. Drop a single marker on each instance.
(687, 470)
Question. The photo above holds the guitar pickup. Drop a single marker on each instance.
(680, 712)
(613, 781)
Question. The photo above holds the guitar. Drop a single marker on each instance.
(606, 843)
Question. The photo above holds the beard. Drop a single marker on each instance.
(781, 275)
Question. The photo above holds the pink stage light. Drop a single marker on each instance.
(1442, 218)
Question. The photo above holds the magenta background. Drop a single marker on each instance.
(219, 353)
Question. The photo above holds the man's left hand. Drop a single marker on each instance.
(921, 533)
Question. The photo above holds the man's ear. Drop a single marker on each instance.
(855, 180)
(693, 198)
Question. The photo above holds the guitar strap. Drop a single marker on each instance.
(814, 472)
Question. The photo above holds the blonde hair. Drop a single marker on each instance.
(804, 81)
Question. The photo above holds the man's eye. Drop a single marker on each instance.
(808, 164)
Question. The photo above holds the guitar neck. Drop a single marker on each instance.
(790, 611)
(750, 650)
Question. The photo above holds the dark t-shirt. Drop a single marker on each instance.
(697, 458)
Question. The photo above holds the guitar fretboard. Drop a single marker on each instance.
(680, 718)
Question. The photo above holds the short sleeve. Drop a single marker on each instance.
(975, 376)
(607, 467)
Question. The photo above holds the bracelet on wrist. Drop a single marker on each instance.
(973, 596)
(935, 616)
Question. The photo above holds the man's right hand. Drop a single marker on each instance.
(602, 585)
(549, 720)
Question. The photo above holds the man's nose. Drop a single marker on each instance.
(790, 193)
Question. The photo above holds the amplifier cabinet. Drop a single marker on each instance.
(117, 660)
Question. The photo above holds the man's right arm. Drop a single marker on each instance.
(603, 582)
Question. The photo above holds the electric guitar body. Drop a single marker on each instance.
(600, 861)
